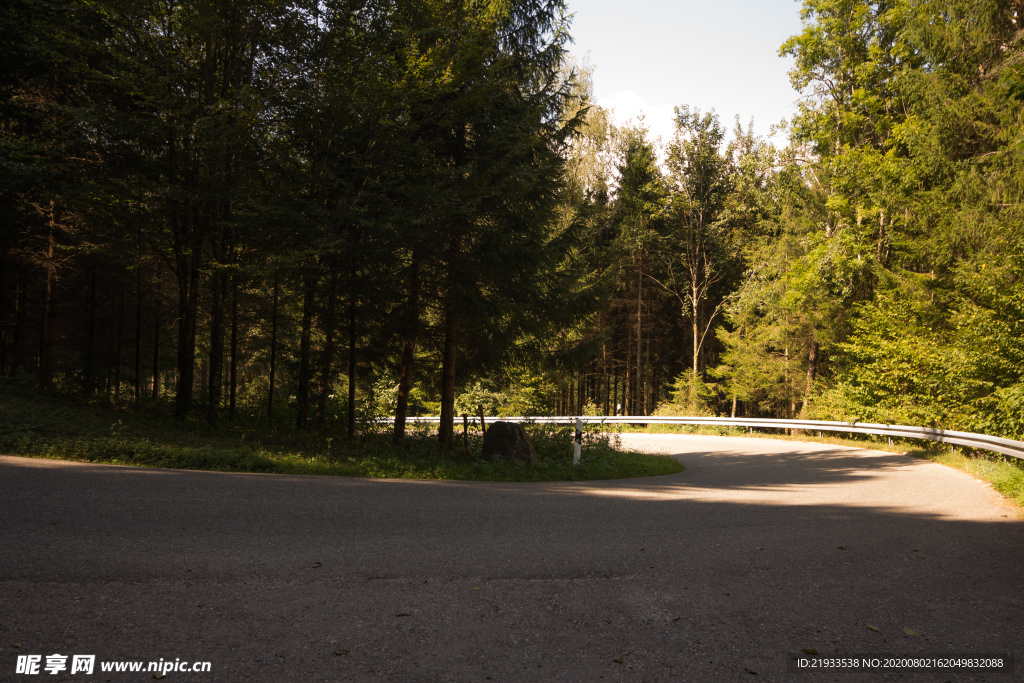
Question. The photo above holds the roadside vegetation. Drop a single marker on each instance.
(35, 423)
(39, 424)
(417, 208)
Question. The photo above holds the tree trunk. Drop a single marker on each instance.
(881, 236)
(404, 385)
(216, 380)
(120, 347)
(626, 380)
(137, 386)
(656, 377)
(20, 320)
(408, 353)
(327, 358)
(789, 385)
(305, 366)
(273, 350)
(812, 365)
(694, 306)
(204, 372)
(234, 348)
(445, 432)
(615, 397)
(352, 359)
(89, 371)
(602, 389)
(3, 314)
(581, 393)
(156, 345)
(48, 333)
(638, 394)
(647, 378)
(188, 294)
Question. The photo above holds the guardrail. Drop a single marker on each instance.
(971, 440)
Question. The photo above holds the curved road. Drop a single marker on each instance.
(759, 549)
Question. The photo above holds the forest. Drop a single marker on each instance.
(328, 212)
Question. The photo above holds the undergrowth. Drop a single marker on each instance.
(39, 424)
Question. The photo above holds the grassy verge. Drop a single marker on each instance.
(37, 424)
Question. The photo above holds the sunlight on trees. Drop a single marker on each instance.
(330, 212)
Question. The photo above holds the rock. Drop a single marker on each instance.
(509, 441)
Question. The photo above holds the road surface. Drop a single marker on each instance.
(761, 548)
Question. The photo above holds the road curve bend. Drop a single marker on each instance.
(761, 548)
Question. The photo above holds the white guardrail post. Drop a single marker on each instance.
(978, 441)
(577, 445)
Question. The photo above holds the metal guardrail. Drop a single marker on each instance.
(968, 439)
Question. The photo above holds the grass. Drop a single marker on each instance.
(45, 425)
(39, 424)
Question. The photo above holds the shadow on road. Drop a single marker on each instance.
(711, 573)
(725, 505)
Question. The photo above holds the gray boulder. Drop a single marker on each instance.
(509, 441)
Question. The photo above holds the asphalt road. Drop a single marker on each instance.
(760, 549)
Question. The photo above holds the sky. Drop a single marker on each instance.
(652, 55)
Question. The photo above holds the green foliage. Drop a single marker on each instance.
(903, 371)
(382, 399)
(896, 243)
(690, 396)
(697, 252)
(125, 451)
(39, 425)
(905, 366)
(354, 192)
(311, 173)
(526, 393)
(484, 394)
(641, 192)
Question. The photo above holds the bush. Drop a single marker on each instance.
(44, 425)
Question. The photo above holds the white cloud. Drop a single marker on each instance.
(628, 107)
(654, 54)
